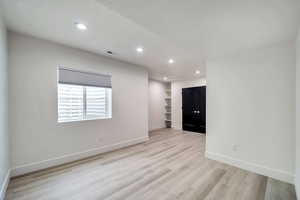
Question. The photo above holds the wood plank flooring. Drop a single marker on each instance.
(170, 166)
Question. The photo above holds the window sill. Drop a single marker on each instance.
(83, 120)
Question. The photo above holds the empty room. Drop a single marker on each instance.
(149, 100)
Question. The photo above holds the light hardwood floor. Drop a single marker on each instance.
(170, 166)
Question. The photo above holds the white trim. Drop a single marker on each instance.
(297, 188)
(193, 133)
(27, 168)
(4, 185)
(259, 169)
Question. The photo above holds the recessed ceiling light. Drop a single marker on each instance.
(139, 50)
(165, 78)
(197, 72)
(81, 26)
(171, 61)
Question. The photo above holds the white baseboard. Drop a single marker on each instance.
(157, 129)
(4, 185)
(259, 169)
(27, 168)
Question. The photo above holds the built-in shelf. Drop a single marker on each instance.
(168, 107)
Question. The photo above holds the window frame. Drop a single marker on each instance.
(84, 114)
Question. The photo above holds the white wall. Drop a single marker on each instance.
(157, 94)
(176, 89)
(38, 141)
(4, 140)
(297, 174)
(251, 110)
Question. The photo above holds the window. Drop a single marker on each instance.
(83, 98)
(70, 102)
(98, 102)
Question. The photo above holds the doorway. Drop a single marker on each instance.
(194, 109)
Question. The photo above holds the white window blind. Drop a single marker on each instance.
(83, 102)
(74, 77)
(97, 102)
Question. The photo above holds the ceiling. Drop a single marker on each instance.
(189, 31)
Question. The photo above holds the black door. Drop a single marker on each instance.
(194, 109)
